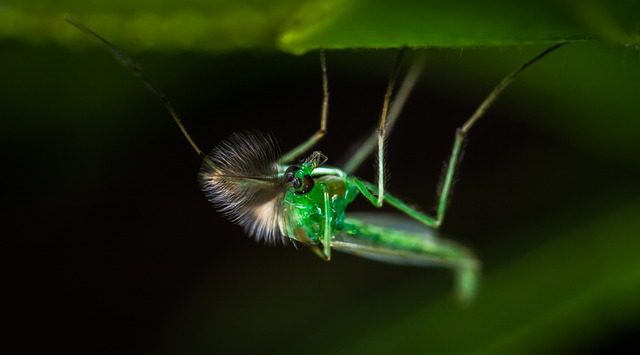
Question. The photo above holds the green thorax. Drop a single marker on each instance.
(305, 213)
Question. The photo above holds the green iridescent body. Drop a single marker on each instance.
(307, 214)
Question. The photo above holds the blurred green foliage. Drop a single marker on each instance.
(552, 212)
(300, 26)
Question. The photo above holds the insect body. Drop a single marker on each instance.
(307, 203)
(279, 198)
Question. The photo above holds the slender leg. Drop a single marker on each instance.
(399, 101)
(309, 143)
(467, 279)
(325, 252)
(383, 126)
(367, 188)
(327, 223)
(461, 133)
(136, 71)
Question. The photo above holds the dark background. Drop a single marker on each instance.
(110, 247)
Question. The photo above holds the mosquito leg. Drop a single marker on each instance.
(365, 150)
(309, 143)
(136, 71)
(369, 190)
(327, 223)
(383, 126)
(461, 133)
(325, 252)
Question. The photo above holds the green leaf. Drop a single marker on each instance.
(392, 24)
(301, 26)
(466, 23)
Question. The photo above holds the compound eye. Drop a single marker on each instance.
(307, 184)
(301, 185)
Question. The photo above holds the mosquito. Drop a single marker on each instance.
(280, 198)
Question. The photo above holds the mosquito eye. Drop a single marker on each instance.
(306, 185)
(301, 185)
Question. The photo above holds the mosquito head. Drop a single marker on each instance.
(299, 177)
